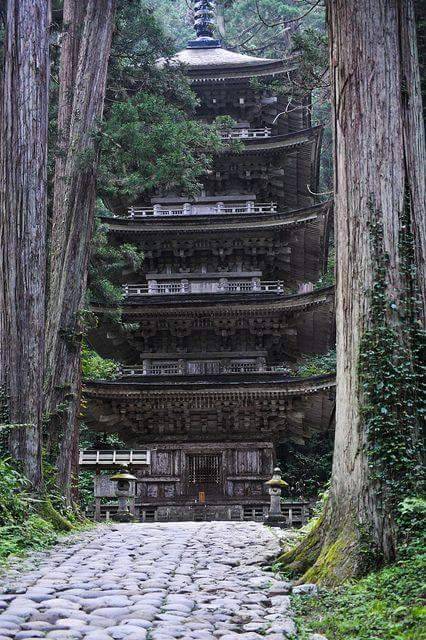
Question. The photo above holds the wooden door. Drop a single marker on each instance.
(204, 475)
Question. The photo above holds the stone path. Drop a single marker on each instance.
(150, 582)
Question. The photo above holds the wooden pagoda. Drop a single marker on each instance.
(225, 307)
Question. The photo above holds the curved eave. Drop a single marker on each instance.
(269, 385)
(232, 75)
(280, 143)
(223, 71)
(223, 303)
(226, 223)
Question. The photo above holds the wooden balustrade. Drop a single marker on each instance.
(216, 286)
(108, 458)
(193, 210)
(240, 134)
(202, 368)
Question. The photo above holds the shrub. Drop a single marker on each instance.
(34, 533)
(94, 367)
(317, 365)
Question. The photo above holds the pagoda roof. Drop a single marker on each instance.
(218, 57)
(304, 322)
(278, 143)
(263, 406)
(221, 223)
(223, 303)
(269, 383)
(218, 63)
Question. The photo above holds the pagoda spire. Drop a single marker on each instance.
(204, 24)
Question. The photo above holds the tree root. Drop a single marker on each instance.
(48, 511)
(325, 559)
(304, 555)
(337, 561)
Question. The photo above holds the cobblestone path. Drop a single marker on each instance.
(150, 581)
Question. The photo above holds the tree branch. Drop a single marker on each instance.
(283, 22)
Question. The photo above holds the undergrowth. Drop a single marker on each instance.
(28, 522)
(385, 605)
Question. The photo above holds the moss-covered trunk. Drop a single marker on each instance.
(380, 237)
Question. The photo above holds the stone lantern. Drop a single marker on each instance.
(275, 485)
(123, 491)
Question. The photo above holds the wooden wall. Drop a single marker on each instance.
(244, 467)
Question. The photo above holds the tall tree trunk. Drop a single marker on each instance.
(72, 225)
(23, 224)
(380, 228)
(73, 16)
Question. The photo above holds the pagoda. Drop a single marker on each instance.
(225, 308)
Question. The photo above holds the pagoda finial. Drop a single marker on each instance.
(204, 25)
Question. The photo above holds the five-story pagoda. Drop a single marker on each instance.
(225, 306)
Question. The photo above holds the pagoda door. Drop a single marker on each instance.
(204, 476)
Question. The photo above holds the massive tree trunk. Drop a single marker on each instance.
(23, 220)
(72, 220)
(72, 21)
(380, 237)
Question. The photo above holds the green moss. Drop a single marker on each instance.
(48, 511)
(336, 562)
(321, 558)
(305, 553)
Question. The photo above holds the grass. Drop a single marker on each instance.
(29, 522)
(385, 605)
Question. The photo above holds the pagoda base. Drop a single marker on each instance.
(207, 512)
(295, 512)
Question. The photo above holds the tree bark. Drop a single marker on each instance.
(73, 16)
(23, 224)
(379, 184)
(72, 220)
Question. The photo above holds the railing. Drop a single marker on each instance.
(111, 457)
(238, 134)
(186, 286)
(162, 370)
(250, 207)
(193, 210)
(242, 367)
(176, 369)
(296, 513)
